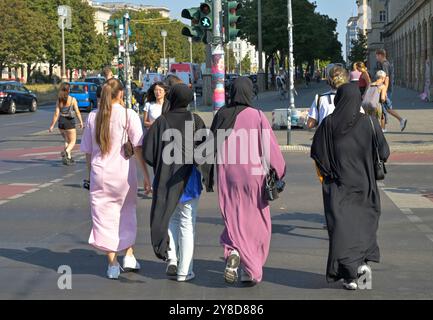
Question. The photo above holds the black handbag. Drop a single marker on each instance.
(128, 148)
(379, 165)
(273, 186)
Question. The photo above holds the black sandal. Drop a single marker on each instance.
(86, 184)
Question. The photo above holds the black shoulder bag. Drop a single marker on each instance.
(379, 165)
(273, 185)
(128, 148)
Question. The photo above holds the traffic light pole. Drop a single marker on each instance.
(291, 105)
(127, 63)
(218, 61)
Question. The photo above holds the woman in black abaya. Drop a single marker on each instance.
(343, 149)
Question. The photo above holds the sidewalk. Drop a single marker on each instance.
(417, 137)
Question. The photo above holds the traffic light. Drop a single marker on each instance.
(201, 22)
(231, 19)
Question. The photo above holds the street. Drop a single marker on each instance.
(45, 221)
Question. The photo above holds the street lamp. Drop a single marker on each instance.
(164, 35)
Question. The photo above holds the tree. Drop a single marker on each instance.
(359, 51)
(231, 60)
(150, 43)
(22, 36)
(315, 35)
(246, 63)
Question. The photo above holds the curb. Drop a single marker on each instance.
(295, 148)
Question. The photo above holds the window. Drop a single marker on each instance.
(381, 37)
(382, 16)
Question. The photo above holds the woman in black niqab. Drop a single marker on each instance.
(343, 150)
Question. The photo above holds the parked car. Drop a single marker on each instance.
(15, 96)
(99, 81)
(85, 93)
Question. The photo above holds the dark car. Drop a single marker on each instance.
(99, 81)
(14, 97)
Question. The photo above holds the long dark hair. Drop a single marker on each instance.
(110, 91)
(150, 96)
(64, 93)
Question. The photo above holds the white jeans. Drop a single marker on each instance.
(182, 231)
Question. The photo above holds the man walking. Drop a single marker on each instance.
(384, 65)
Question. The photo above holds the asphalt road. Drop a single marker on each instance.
(45, 223)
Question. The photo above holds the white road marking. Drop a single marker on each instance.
(56, 180)
(414, 219)
(40, 154)
(430, 236)
(69, 175)
(424, 228)
(4, 172)
(404, 199)
(45, 185)
(17, 196)
(23, 184)
(406, 210)
(3, 202)
(31, 190)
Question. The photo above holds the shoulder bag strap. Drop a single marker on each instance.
(376, 143)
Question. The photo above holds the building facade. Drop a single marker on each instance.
(408, 40)
(241, 49)
(351, 35)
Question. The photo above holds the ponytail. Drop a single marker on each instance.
(110, 91)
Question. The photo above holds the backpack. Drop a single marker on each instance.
(371, 100)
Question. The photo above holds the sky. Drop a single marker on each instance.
(336, 9)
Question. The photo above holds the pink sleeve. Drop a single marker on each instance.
(86, 139)
(276, 156)
(135, 129)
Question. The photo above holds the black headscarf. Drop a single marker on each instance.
(180, 96)
(347, 109)
(340, 122)
(241, 95)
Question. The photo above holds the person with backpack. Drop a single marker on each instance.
(177, 184)
(375, 96)
(323, 104)
(66, 113)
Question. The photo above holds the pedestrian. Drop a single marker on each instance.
(110, 134)
(323, 104)
(375, 96)
(108, 74)
(345, 154)
(384, 65)
(65, 114)
(155, 100)
(281, 84)
(364, 78)
(244, 209)
(176, 186)
(355, 74)
(307, 78)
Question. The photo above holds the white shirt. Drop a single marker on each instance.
(153, 110)
(326, 106)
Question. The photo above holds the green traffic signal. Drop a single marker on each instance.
(201, 22)
(231, 19)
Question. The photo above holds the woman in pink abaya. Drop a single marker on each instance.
(247, 234)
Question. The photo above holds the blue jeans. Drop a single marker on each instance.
(387, 105)
(181, 231)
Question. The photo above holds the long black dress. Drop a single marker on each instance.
(170, 178)
(343, 149)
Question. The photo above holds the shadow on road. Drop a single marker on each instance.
(209, 272)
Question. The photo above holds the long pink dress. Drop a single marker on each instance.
(246, 214)
(113, 182)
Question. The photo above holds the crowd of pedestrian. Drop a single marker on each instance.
(349, 150)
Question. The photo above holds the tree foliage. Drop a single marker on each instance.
(314, 34)
(359, 51)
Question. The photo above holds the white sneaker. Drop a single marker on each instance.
(231, 270)
(384, 130)
(186, 278)
(403, 124)
(350, 285)
(130, 263)
(113, 272)
(171, 270)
